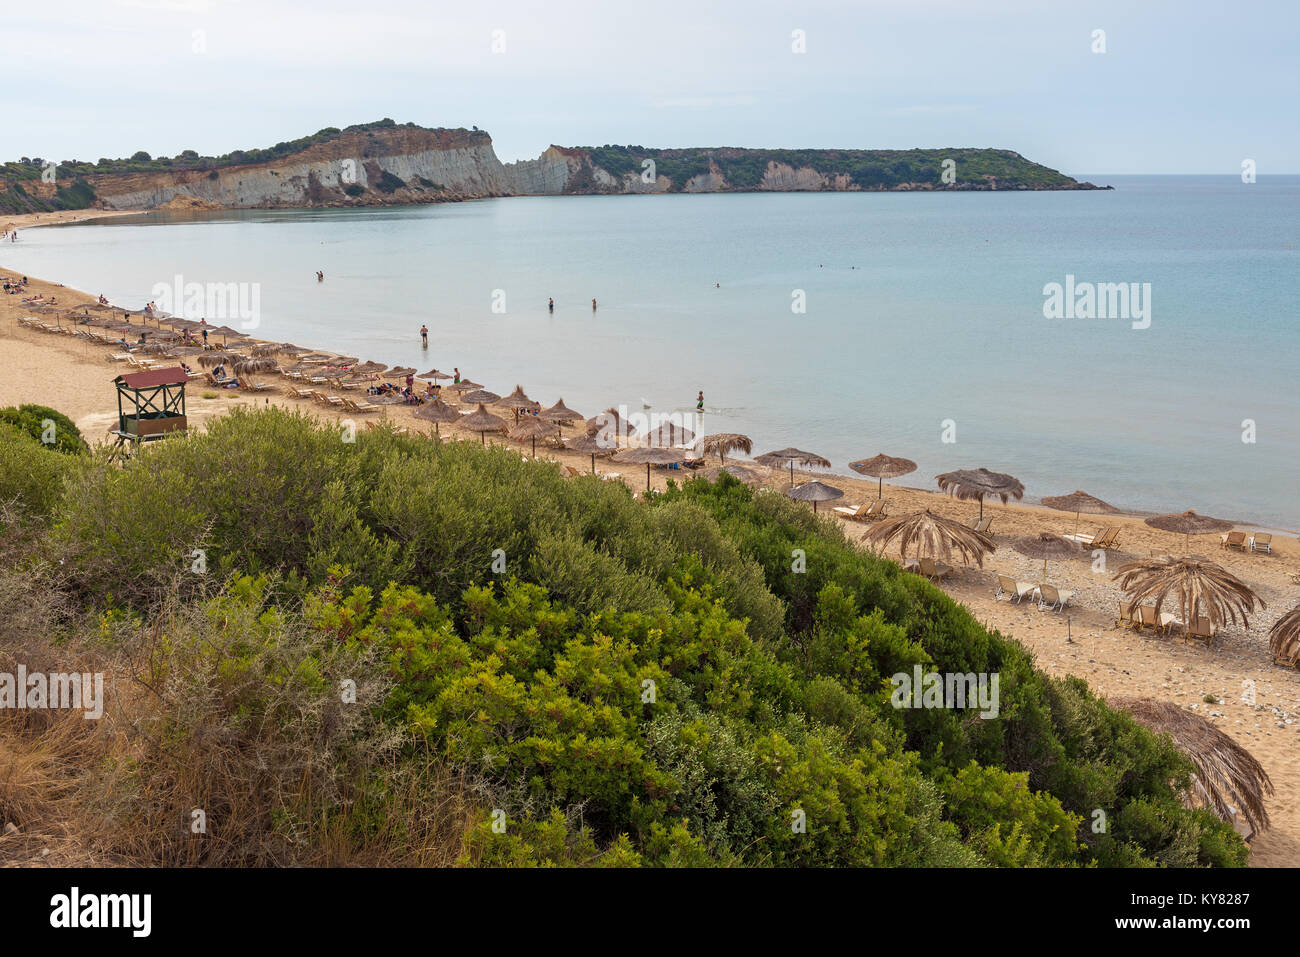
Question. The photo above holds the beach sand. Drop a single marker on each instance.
(75, 377)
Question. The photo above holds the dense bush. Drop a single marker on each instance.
(47, 426)
(620, 683)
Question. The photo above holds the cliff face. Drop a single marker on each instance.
(403, 164)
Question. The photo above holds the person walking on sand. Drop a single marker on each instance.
(424, 335)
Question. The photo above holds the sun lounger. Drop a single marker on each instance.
(1235, 540)
(1148, 618)
(364, 407)
(1201, 628)
(1262, 542)
(863, 513)
(571, 471)
(935, 571)
(1049, 596)
(610, 476)
(1012, 590)
(252, 386)
(1128, 618)
(1106, 538)
(856, 513)
(1084, 539)
(981, 525)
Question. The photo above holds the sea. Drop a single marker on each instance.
(1139, 343)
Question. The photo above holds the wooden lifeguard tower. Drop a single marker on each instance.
(150, 405)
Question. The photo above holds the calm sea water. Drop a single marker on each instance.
(920, 309)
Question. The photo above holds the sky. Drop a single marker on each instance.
(1181, 87)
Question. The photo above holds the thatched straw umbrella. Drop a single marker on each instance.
(226, 333)
(560, 414)
(1188, 524)
(210, 359)
(882, 467)
(249, 366)
(790, 457)
(932, 536)
(519, 401)
(611, 424)
(649, 456)
(398, 372)
(1284, 639)
(269, 349)
(814, 492)
(436, 411)
(739, 472)
(976, 483)
(482, 421)
(1227, 776)
(1201, 588)
(532, 428)
(465, 385)
(592, 445)
(1046, 546)
(721, 443)
(434, 374)
(479, 397)
(1077, 502)
(668, 435)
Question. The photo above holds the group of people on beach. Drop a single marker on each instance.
(14, 286)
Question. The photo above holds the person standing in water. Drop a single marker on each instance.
(424, 335)
(550, 305)
(455, 378)
(699, 402)
(593, 305)
(320, 276)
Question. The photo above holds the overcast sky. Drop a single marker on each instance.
(1182, 87)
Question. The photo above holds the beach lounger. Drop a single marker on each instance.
(1262, 542)
(1012, 590)
(863, 513)
(1049, 596)
(364, 407)
(1147, 618)
(252, 386)
(1202, 629)
(571, 471)
(1128, 618)
(935, 571)
(981, 525)
(119, 357)
(1108, 539)
(1235, 540)
(1084, 539)
(610, 476)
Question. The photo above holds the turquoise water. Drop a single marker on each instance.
(920, 308)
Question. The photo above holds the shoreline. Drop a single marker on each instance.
(73, 375)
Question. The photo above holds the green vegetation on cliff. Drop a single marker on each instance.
(743, 169)
(404, 651)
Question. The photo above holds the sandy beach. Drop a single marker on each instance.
(75, 377)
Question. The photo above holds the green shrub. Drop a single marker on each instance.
(47, 426)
